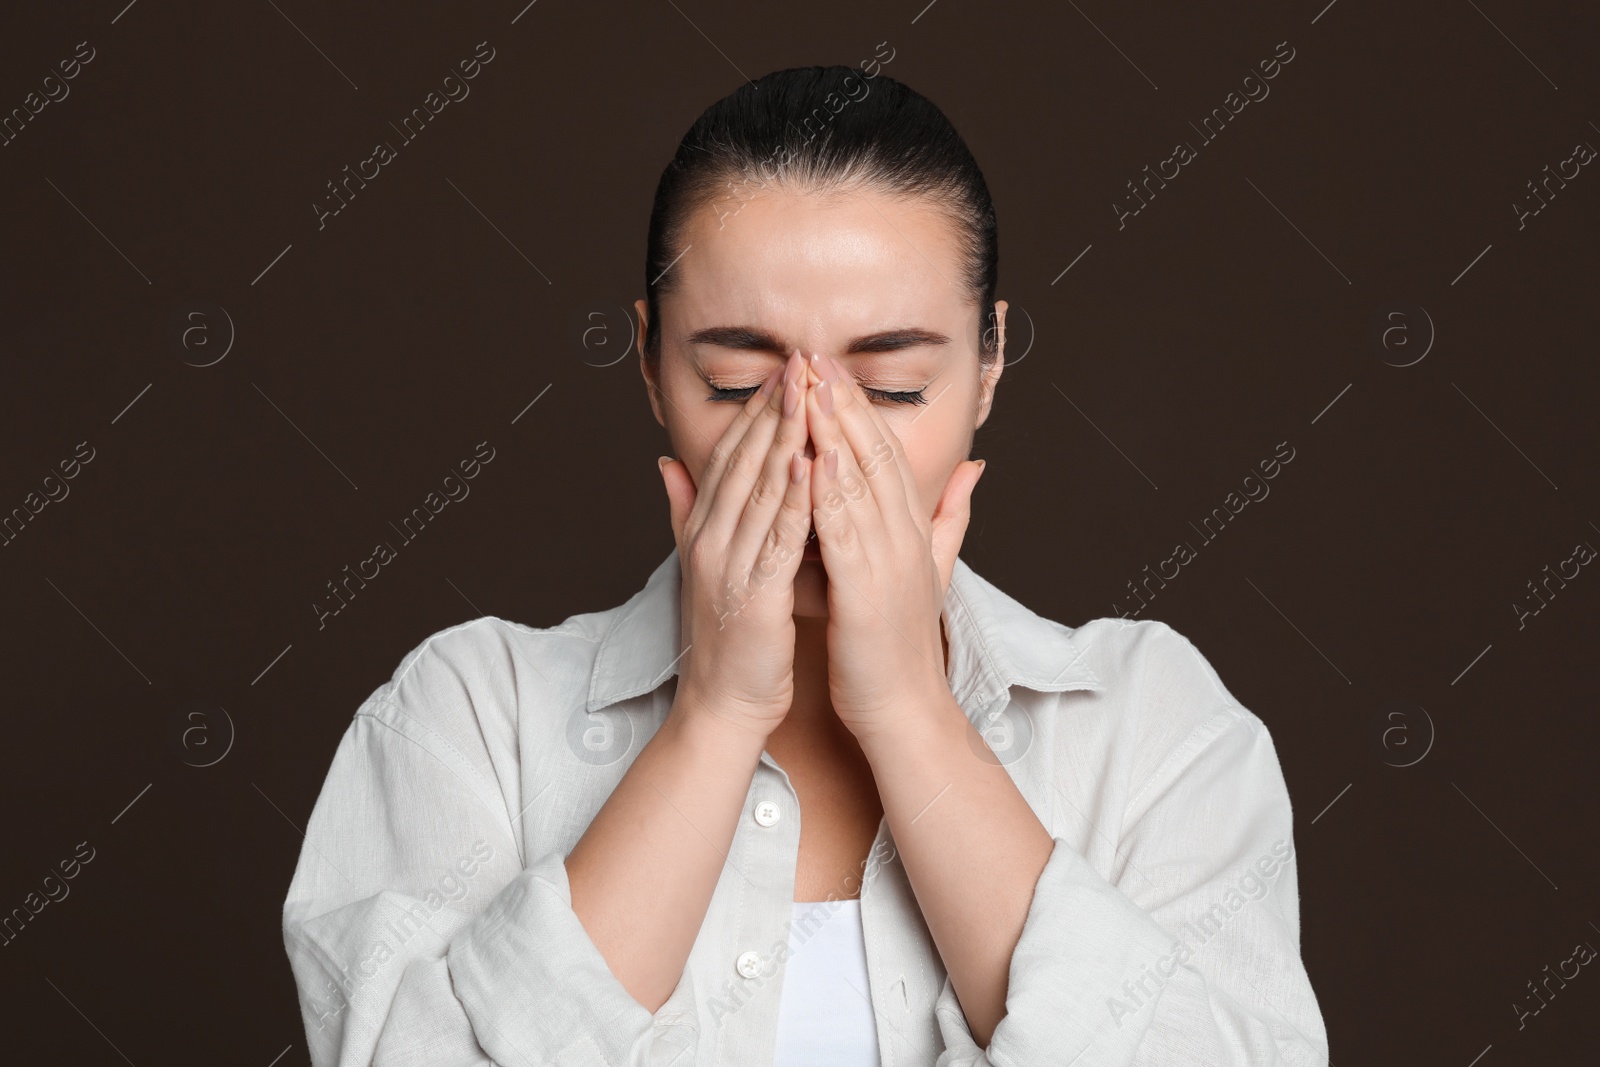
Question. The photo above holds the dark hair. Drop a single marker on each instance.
(824, 128)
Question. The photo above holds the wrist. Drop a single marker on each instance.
(918, 722)
(702, 728)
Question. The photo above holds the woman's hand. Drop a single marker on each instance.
(740, 539)
(888, 567)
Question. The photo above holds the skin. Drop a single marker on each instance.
(873, 729)
(817, 273)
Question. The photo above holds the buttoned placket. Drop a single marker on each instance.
(904, 971)
(902, 1040)
(888, 901)
(762, 862)
(768, 852)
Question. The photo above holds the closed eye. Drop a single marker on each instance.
(915, 396)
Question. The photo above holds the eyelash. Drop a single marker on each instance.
(915, 396)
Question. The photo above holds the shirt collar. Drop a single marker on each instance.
(995, 643)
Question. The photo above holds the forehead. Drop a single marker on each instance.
(819, 262)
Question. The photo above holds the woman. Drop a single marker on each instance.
(817, 793)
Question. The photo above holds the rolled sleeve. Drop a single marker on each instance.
(529, 977)
(1192, 955)
(416, 933)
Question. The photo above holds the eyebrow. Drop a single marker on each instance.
(754, 339)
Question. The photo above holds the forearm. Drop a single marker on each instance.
(971, 846)
(643, 874)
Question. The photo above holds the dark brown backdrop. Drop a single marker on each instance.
(163, 608)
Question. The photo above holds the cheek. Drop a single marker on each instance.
(932, 453)
(692, 443)
(694, 425)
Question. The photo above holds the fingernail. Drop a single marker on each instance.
(836, 373)
(772, 381)
(661, 464)
(825, 396)
(982, 463)
(797, 468)
(791, 398)
(830, 462)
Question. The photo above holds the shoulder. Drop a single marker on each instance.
(1149, 652)
(483, 649)
(1163, 683)
(463, 686)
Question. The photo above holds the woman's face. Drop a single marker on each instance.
(872, 281)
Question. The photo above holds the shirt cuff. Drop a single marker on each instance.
(538, 991)
(1082, 940)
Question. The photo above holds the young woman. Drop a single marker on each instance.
(818, 793)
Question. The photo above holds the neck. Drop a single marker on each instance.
(812, 711)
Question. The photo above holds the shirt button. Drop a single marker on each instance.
(749, 964)
(767, 813)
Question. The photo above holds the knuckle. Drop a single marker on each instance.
(700, 554)
(773, 542)
(767, 568)
(762, 493)
(880, 455)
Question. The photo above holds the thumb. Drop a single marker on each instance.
(950, 518)
(680, 493)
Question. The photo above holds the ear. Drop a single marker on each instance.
(652, 383)
(991, 376)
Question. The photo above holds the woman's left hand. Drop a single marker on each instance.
(888, 566)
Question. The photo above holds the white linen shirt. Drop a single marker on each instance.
(429, 920)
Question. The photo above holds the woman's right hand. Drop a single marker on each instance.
(741, 535)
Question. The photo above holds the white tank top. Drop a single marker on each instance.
(824, 1012)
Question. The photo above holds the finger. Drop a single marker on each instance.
(952, 516)
(877, 450)
(774, 480)
(825, 406)
(902, 463)
(785, 543)
(913, 494)
(728, 477)
(680, 494)
(838, 537)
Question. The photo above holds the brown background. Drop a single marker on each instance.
(1174, 355)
